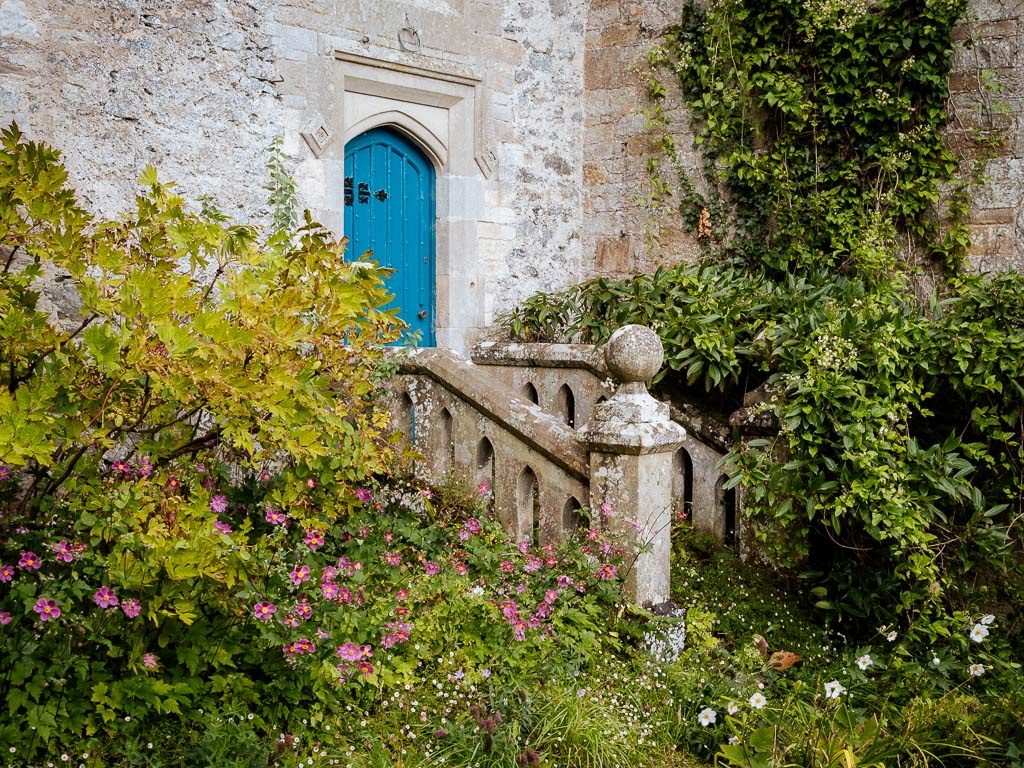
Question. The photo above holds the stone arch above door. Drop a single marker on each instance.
(442, 113)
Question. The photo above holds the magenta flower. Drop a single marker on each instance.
(461, 569)
(483, 489)
(301, 646)
(593, 534)
(219, 503)
(550, 596)
(62, 551)
(606, 509)
(30, 561)
(303, 609)
(275, 517)
(173, 483)
(5, 472)
(520, 630)
(345, 596)
(363, 495)
(392, 558)
(510, 610)
(311, 483)
(507, 566)
(149, 661)
(145, 468)
(299, 575)
(473, 525)
(366, 668)
(329, 590)
(349, 652)
(533, 564)
(402, 594)
(121, 467)
(431, 568)
(523, 547)
(389, 537)
(105, 597)
(5, 618)
(47, 609)
(607, 572)
(264, 611)
(222, 527)
(564, 581)
(291, 621)
(6, 573)
(131, 607)
(314, 539)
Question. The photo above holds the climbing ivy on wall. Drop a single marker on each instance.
(896, 464)
(821, 121)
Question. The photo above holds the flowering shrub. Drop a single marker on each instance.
(214, 596)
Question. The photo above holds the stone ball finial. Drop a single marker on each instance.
(634, 353)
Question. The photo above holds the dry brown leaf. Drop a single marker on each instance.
(783, 660)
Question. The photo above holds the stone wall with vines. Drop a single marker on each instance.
(628, 220)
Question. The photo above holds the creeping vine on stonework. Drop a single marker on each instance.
(819, 121)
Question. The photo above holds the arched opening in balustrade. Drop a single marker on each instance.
(565, 401)
(726, 498)
(573, 520)
(485, 465)
(405, 420)
(529, 393)
(528, 503)
(682, 483)
(443, 447)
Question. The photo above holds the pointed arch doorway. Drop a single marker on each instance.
(389, 209)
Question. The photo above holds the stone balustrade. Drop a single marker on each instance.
(557, 430)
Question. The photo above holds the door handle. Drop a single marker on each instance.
(422, 315)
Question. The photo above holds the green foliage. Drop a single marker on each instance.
(284, 201)
(939, 692)
(821, 121)
(187, 336)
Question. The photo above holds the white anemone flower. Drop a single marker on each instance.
(976, 670)
(757, 701)
(864, 662)
(733, 708)
(834, 689)
(891, 636)
(979, 632)
(987, 619)
(707, 717)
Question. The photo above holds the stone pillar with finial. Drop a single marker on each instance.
(631, 440)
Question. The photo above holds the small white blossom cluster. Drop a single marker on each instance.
(666, 644)
(842, 14)
(832, 352)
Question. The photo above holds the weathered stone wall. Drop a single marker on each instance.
(182, 85)
(986, 98)
(986, 104)
(618, 219)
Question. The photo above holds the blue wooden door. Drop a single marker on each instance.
(389, 209)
